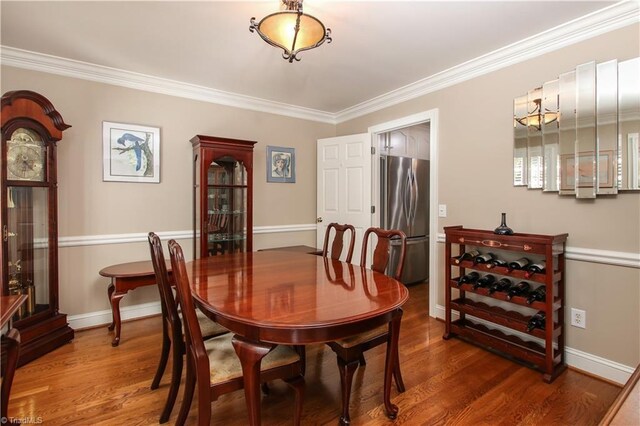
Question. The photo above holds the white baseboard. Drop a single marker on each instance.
(598, 366)
(93, 319)
(589, 363)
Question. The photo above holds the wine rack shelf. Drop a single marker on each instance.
(483, 318)
(501, 295)
(501, 270)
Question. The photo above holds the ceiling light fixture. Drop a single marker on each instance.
(536, 117)
(291, 30)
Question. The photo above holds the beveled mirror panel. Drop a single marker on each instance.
(629, 123)
(607, 127)
(580, 135)
(567, 132)
(585, 161)
(520, 142)
(534, 138)
(550, 136)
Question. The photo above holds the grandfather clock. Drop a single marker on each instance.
(31, 127)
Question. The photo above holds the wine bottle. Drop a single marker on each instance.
(469, 278)
(537, 321)
(496, 262)
(484, 282)
(519, 289)
(536, 268)
(539, 294)
(519, 264)
(502, 285)
(466, 255)
(483, 258)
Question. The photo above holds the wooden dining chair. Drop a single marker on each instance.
(172, 333)
(213, 365)
(338, 241)
(350, 350)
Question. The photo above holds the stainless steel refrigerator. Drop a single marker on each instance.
(404, 200)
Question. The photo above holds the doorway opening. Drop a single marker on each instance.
(404, 190)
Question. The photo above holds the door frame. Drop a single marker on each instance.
(430, 116)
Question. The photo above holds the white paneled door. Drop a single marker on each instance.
(344, 186)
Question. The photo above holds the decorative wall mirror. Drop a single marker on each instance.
(579, 135)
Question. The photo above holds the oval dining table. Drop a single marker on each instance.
(278, 297)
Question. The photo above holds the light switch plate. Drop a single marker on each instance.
(442, 210)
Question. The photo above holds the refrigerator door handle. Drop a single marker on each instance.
(410, 200)
(415, 196)
(406, 199)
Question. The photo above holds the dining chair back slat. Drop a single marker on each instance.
(338, 241)
(382, 250)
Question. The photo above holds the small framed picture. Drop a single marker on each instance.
(131, 153)
(281, 164)
(585, 170)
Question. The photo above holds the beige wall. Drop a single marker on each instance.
(475, 146)
(90, 207)
(475, 174)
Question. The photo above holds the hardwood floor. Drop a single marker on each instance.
(448, 382)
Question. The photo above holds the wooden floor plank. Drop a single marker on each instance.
(89, 382)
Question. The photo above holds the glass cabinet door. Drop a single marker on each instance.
(28, 247)
(226, 222)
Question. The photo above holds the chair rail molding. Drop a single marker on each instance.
(608, 257)
(141, 237)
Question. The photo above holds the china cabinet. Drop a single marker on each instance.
(31, 128)
(222, 195)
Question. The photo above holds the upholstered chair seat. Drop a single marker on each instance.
(209, 327)
(366, 336)
(225, 364)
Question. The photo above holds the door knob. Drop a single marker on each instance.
(319, 219)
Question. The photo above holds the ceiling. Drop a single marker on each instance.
(378, 46)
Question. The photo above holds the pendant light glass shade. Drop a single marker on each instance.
(536, 117)
(291, 30)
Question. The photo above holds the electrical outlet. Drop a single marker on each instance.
(578, 318)
(442, 210)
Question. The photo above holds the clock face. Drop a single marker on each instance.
(25, 156)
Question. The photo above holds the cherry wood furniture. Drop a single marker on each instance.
(212, 364)
(288, 298)
(350, 350)
(625, 410)
(124, 278)
(338, 241)
(493, 326)
(222, 195)
(299, 249)
(172, 327)
(9, 306)
(31, 128)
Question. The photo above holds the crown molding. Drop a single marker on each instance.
(35, 61)
(608, 19)
(602, 21)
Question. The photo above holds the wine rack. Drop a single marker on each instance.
(485, 319)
